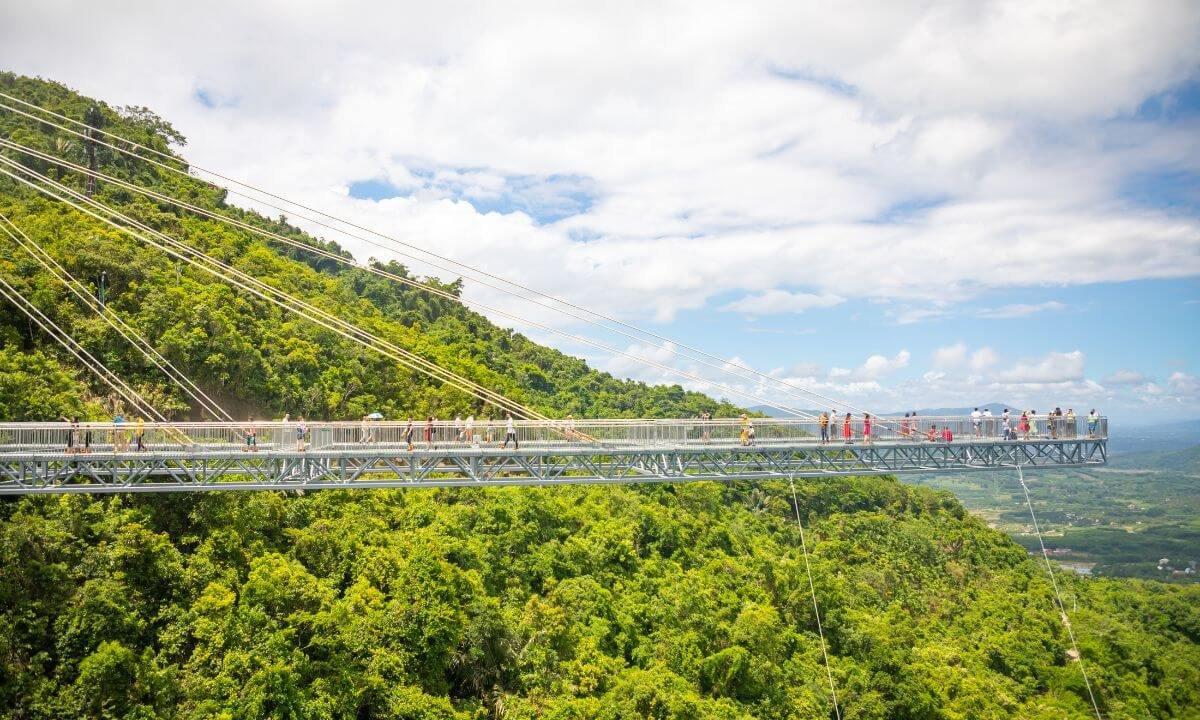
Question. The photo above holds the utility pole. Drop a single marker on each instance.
(94, 119)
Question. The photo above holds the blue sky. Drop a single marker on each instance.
(903, 205)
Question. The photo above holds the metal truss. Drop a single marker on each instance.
(384, 467)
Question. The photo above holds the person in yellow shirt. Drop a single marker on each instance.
(745, 434)
(141, 434)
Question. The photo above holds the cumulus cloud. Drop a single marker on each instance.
(1021, 310)
(737, 152)
(877, 153)
(1055, 367)
(873, 368)
(1183, 382)
(774, 302)
(1125, 377)
(983, 358)
(950, 356)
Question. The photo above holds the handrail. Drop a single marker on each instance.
(199, 437)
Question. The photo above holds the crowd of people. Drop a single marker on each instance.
(834, 427)
(1008, 425)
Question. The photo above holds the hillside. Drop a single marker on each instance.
(241, 349)
(686, 601)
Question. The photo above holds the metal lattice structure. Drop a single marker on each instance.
(209, 457)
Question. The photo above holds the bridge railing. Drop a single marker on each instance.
(664, 433)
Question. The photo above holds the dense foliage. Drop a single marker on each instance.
(687, 601)
(668, 602)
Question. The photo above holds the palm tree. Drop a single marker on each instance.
(95, 119)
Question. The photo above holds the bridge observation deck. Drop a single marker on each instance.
(40, 458)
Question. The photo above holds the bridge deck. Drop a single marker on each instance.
(212, 456)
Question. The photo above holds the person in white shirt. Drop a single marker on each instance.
(470, 429)
(510, 433)
(458, 431)
(977, 422)
(989, 425)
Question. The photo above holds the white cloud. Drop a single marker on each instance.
(923, 154)
(1183, 383)
(714, 157)
(1125, 377)
(950, 356)
(774, 302)
(877, 366)
(1021, 310)
(873, 368)
(1055, 367)
(983, 358)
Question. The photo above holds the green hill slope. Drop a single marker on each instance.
(686, 601)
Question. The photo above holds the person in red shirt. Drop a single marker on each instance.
(947, 435)
(846, 429)
(866, 428)
(932, 435)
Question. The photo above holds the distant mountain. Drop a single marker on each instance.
(1158, 437)
(1184, 461)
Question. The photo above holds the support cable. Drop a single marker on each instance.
(1062, 608)
(322, 252)
(124, 329)
(396, 242)
(812, 591)
(81, 354)
(246, 282)
(413, 283)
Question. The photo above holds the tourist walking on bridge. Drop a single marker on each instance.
(866, 428)
(977, 422)
(408, 434)
(72, 435)
(510, 432)
(846, 430)
(824, 421)
(251, 435)
(1093, 422)
(301, 433)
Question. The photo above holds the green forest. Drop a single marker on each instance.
(672, 601)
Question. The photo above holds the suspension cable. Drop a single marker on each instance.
(267, 292)
(124, 329)
(399, 278)
(674, 345)
(81, 354)
(287, 302)
(1057, 595)
(812, 591)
